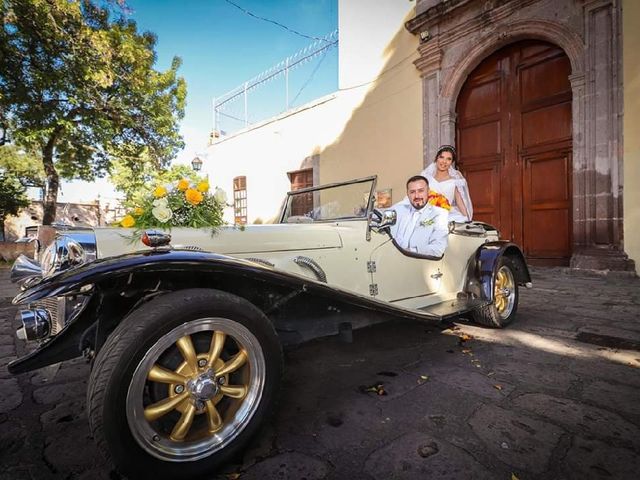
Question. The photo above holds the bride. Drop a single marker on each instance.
(444, 178)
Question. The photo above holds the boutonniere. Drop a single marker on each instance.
(426, 223)
(438, 200)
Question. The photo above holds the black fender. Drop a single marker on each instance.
(114, 282)
(481, 275)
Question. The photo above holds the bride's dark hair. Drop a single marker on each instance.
(448, 148)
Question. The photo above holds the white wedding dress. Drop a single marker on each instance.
(448, 189)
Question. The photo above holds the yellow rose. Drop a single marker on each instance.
(203, 186)
(183, 184)
(160, 191)
(138, 211)
(193, 196)
(128, 221)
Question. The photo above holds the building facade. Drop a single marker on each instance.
(540, 97)
(372, 122)
(531, 92)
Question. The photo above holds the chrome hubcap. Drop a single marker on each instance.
(204, 388)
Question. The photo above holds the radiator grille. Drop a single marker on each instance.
(54, 307)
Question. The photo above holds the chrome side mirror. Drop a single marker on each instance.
(381, 220)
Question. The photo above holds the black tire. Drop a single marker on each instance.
(220, 407)
(502, 310)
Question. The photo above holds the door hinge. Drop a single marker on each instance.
(371, 267)
(373, 289)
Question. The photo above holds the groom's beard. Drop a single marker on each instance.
(418, 203)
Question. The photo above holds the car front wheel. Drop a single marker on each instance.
(183, 383)
(503, 309)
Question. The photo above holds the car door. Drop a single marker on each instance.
(399, 278)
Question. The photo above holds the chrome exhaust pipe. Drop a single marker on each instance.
(36, 324)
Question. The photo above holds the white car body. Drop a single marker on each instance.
(186, 336)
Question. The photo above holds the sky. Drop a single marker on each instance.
(221, 47)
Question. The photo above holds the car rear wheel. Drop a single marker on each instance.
(505, 292)
(183, 383)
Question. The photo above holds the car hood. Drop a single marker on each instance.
(226, 240)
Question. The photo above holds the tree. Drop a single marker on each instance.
(81, 89)
(12, 198)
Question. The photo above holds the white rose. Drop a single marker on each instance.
(161, 202)
(162, 213)
(220, 196)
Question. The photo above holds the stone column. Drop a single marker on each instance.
(597, 186)
(429, 66)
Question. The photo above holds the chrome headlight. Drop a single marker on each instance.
(47, 317)
(63, 253)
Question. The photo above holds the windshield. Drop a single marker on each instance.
(344, 201)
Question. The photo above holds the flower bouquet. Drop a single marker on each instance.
(181, 205)
(438, 200)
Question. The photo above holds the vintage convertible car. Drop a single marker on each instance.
(186, 338)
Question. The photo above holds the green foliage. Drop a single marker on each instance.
(80, 88)
(23, 165)
(12, 196)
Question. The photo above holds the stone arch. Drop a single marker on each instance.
(548, 31)
(444, 96)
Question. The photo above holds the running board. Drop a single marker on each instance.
(453, 308)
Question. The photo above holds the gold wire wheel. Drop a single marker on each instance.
(196, 389)
(504, 291)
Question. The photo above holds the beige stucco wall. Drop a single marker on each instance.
(631, 154)
(369, 126)
(383, 135)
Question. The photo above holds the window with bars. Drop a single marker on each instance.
(240, 200)
(302, 204)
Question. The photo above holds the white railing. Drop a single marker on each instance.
(236, 109)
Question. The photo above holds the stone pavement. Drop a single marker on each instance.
(554, 396)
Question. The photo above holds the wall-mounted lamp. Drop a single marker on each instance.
(196, 164)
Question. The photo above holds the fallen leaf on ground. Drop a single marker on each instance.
(513, 477)
(422, 379)
(466, 350)
(498, 387)
(377, 388)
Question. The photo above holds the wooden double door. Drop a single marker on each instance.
(514, 143)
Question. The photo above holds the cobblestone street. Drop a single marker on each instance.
(553, 396)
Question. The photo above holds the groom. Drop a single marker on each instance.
(420, 227)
